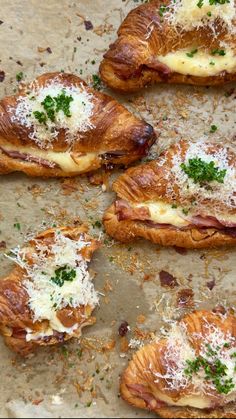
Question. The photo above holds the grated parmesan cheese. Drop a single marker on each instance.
(189, 15)
(81, 109)
(45, 296)
(179, 350)
(222, 193)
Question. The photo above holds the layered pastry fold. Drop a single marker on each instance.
(173, 41)
(185, 198)
(49, 296)
(189, 372)
(58, 126)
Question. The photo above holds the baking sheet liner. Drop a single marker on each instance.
(81, 379)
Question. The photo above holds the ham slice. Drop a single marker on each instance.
(28, 157)
(141, 391)
(125, 212)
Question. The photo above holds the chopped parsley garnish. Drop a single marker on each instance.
(62, 275)
(17, 226)
(218, 52)
(96, 82)
(202, 172)
(209, 14)
(97, 224)
(163, 9)
(213, 128)
(192, 53)
(19, 76)
(214, 2)
(185, 211)
(212, 63)
(200, 3)
(214, 369)
(53, 105)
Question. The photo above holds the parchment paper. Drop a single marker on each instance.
(82, 379)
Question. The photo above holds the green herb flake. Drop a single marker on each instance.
(40, 116)
(213, 128)
(19, 76)
(62, 275)
(220, 52)
(201, 171)
(96, 82)
(192, 53)
(200, 3)
(64, 351)
(17, 226)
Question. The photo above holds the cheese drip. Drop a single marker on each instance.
(200, 64)
(62, 158)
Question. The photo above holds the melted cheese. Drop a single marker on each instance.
(189, 15)
(55, 324)
(163, 213)
(202, 64)
(63, 159)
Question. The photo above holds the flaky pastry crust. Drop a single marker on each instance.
(138, 382)
(15, 314)
(116, 137)
(150, 183)
(131, 61)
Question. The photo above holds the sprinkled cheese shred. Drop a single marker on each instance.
(221, 192)
(46, 295)
(182, 371)
(191, 14)
(76, 118)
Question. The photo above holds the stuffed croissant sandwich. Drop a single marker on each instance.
(49, 296)
(59, 126)
(185, 198)
(173, 41)
(190, 372)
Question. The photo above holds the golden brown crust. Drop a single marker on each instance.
(127, 231)
(131, 64)
(15, 314)
(138, 383)
(117, 136)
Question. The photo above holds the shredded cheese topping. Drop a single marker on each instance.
(44, 134)
(191, 14)
(46, 295)
(221, 193)
(215, 346)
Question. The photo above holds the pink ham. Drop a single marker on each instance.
(125, 212)
(141, 391)
(28, 157)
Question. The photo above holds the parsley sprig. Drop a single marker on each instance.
(62, 275)
(52, 105)
(202, 172)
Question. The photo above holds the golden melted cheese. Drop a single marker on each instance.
(163, 213)
(201, 64)
(63, 159)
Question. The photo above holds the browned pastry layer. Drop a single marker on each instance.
(115, 136)
(131, 62)
(150, 183)
(139, 384)
(16, 316)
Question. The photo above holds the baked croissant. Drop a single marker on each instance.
(190, 373)
(185, 198)
(173, 41)
(58, 126)
(49, 296)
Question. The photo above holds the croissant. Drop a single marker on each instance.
(49, 296)
(189, 373)
(173, 41)
(59, 126)
(185, 198)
